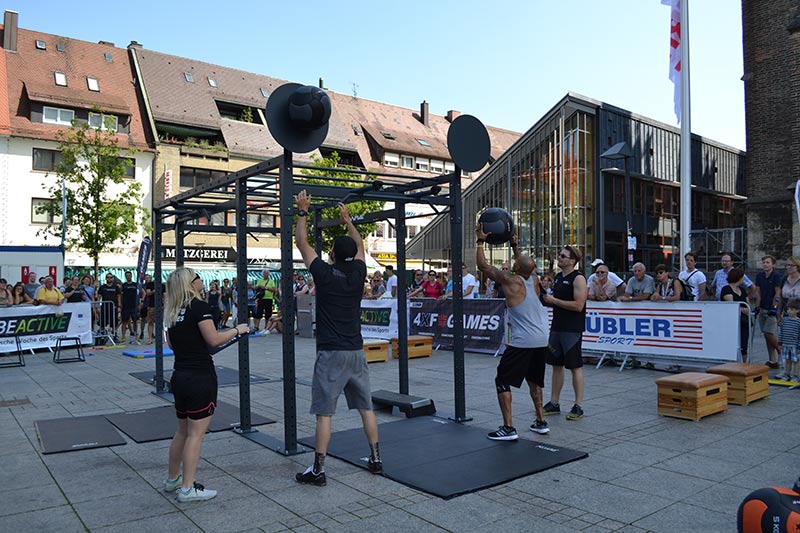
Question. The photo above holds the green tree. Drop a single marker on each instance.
(356, 208)
(104, 209)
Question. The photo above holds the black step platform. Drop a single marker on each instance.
(76, 433)
(411, 406)
(445, 458)
(226, 377)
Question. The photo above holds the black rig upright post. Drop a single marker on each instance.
(287, 305)
(241, 304)
(318, 232)
(159, 303)
(179, 244)
(457, 239)
(402, 298)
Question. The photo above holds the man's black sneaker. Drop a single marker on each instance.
(376, 467)
(772, 364)
(504, 433)
(311, 478)
(551, 408)
(540, 427)
(576, 413)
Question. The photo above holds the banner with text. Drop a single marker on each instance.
(40, 326)
(484, 322)
(379, 318)
(697, 330)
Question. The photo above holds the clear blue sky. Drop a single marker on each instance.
(502, 61)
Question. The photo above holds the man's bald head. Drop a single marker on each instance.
(524, 265)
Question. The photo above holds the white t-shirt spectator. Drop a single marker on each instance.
(391, 283)
(693, 279)
(467, 281)
(613, 278)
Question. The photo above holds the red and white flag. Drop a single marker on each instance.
(675, 51)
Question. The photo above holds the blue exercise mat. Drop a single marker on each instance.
(147, 354)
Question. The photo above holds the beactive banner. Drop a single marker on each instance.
(39, 326)
(379, 318)
(484, 322)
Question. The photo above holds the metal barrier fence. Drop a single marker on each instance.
(104, 321)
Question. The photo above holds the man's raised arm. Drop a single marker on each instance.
(301, 233)
(353, 232)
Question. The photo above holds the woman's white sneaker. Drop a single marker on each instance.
(195, 494)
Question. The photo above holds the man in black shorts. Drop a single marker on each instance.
(341, 365)
(111, 297)
(524, 357)
(130, 311)
(566, 333)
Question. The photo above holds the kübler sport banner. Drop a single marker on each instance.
(484, 322)
(39, 326)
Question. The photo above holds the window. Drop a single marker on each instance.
(108, 57)
(422, 164)
(264, 93)
(56, 115)
(45, 159)
(391, 160)
(437, 167)
(465, 174)
(388, 135)
(61, 79)
(194, 177)
(93, 84)
(130, 167)
(449, 167)
(412, 231)
(407, 161)
(423, 143)
(258, 220)
(60, 47)
(103, 121)
(43, 217)
(189, 77)
(41, 45)
(212, 82)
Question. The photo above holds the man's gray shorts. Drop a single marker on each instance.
(767, 323)
(336, 371)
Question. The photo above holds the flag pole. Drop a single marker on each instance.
(686, 137)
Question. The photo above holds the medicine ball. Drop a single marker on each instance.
(769, 509)
(498, 224)
(309, 108)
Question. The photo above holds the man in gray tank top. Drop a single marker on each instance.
(524, 358)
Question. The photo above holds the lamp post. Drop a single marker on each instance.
(622, 151)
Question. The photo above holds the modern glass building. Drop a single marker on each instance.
(560, 191)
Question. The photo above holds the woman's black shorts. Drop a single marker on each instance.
(195, 393)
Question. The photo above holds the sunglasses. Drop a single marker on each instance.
(196, 277)
(564, 256)
(505, 268)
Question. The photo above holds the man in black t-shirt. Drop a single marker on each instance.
(130, 298)
(341, 365)
(566, 332)
(109, 312)
(150, 305)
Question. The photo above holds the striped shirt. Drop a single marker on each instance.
(790, 332)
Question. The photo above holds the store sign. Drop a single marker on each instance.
(385, 256)
(204, 254)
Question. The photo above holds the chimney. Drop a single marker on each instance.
(423, 113)
(10, 27)
(135, 44)
(452, 115)
(321, 83)
(107, 43)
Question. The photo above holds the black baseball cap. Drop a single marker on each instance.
(344, 249)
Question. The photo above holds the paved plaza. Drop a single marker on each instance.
(643, 473)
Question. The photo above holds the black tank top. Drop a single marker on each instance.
(564, 320)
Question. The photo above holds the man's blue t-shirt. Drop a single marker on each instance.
(766, 285)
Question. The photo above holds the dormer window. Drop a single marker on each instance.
(189, 77)
(93, 84)
(102, 121)
(56, 115)
(41, 45)
(391, 160)
(61, 79)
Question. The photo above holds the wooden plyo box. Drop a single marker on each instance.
(376, 350)
(692, 395)
(747, 382)
(418, 346)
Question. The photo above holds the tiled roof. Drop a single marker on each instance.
(31, 77)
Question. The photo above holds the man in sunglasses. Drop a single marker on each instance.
(566, 332)
(524, 357)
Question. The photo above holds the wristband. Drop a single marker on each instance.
(480, 242)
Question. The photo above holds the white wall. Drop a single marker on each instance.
(21, 184)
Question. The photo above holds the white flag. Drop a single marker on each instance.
(797, 197)
(675, 51)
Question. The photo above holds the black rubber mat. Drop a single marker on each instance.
(76, 433)
(447, 459)
(159, 423)
(226, 377)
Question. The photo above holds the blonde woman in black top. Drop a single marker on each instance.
(191, 335)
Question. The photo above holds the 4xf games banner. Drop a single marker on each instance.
(484, 322)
